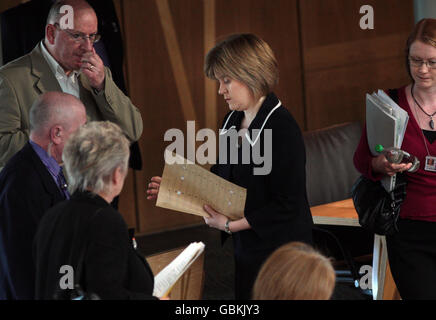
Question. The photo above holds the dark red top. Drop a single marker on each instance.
(420, 202)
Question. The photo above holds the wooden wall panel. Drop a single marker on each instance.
(153, 89)
(7, 4)
(327, 64)
(165, 47)
(127, 203)
(128, 200)
(342, 62)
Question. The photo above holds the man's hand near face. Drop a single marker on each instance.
(93, 68)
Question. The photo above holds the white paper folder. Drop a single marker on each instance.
(386, 124)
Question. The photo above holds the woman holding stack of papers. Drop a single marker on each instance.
(412, 251)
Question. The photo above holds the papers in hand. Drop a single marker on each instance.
(187, 187)
(165, 280)
(386, 124)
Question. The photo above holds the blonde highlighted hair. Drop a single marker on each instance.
(295, 271)
(246, 58)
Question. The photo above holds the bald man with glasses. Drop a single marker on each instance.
(64, 61)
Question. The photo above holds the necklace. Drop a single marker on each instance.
(431, 123)
(430, 162)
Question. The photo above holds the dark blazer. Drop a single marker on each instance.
(276, 206)
(27, 190)
(112, 268)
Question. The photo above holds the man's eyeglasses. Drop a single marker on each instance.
(79, 36)
(419, 62)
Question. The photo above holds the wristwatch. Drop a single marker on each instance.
(226, 227)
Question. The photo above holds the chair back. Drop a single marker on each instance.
(330, 171)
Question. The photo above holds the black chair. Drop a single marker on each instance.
(330, 174)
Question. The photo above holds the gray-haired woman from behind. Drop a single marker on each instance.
(96, 161)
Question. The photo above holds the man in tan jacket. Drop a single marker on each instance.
(64, 61)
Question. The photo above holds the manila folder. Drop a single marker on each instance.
(187, 187)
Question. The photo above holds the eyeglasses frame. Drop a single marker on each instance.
(81, 37)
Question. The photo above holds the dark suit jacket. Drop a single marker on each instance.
(276, 206)
(112, 268)
(27, 190)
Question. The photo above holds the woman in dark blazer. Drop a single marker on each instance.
(276, 208)
(96, 161)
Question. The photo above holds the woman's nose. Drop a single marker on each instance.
(221, 89)
(424, 67)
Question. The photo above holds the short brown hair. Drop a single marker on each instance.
(424, 31)
(246, 58)
(295, 271)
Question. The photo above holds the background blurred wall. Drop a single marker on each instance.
(424, 9)
(327, 63)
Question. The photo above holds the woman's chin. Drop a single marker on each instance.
(424, 84)
(235, 107)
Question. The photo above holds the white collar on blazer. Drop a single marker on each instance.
(224, 130)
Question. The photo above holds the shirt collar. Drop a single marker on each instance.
(55, 67)
(49, 162)
(269, 105)
(267, 108)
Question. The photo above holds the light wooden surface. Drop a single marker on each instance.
(390, 291)
(190, 285)
(339, 213)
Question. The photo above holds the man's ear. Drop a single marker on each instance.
(50, 31)
(56, 134)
